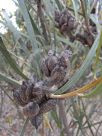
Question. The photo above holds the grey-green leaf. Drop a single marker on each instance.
(10, 60)
(9, 80)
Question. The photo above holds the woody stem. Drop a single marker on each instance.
(78, 91)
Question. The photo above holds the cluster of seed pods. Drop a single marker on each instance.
(65, 21)
(33, 94)
(56, 67)
(67, 24)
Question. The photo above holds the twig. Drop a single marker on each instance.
(78, 91)
(89, 125)
(63, 117)
(98, 129)
(94, 124)
(1, 102)
(41, 16)
(24, 127)
(78, 117)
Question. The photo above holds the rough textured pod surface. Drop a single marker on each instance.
(31, 109)
(36, 120)
(52, 62)
(57, 75)
(47, 106)
(44, 68)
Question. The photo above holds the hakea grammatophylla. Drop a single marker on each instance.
(33, 94)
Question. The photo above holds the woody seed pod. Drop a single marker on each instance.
(31, 109)
(44, 67)
(36, 120)
(57, 75)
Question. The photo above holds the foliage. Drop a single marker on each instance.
(22, 48)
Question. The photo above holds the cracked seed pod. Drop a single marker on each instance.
(44, 67)
(17, 98)
(57, 75)
(64, 59)
(36, 120)
(89, 38)
(71, 22)
(23, 94)
(57, 16)
(31, 109)
(25, 91)
(44, 107)
(63, 19)
(49, 63)
(85, 38)
(38, 92)
(66, 22)
(47, 106)
(52, 62)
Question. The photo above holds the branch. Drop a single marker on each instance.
(63, 116)
(41, 16)
(78, 91)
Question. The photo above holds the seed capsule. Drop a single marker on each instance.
(17, 98)
(44, 68)
(57, 16)
(47, 106)
(38, 91)
(36, 120)
(52, 62)
(48, 64)
(64, 59)
(57, 75)
(71, 23)
(31, 109)
(25, 91)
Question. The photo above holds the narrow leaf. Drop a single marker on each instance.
(75, 8)
(10, 60)
(9, 80)
(59, 4)
(98, 49)
(35, 28)
(30, 30)
(29, 26)
(8, 23)
(24, 127)
(57, 120)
